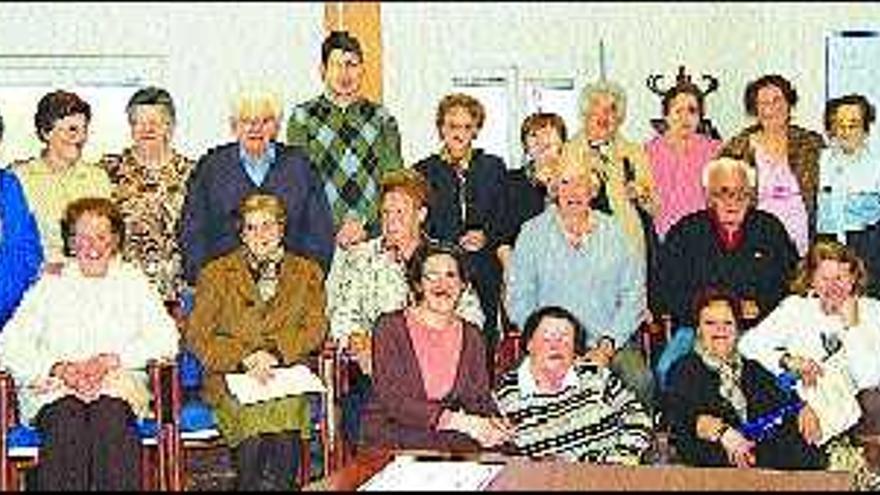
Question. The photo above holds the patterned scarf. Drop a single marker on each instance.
(265, 271)
(730, 373)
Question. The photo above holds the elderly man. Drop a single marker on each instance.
(574, 411)
(20, 250)
(255, 162)
(369, 279)
(351, 141)
(579, 258)
(730, 244)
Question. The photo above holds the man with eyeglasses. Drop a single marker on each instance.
(255, 162)
(729, 244)
(350, 140)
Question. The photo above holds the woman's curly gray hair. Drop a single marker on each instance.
(604, 87)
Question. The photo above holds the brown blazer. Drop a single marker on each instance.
(229, 321)
(399, 413)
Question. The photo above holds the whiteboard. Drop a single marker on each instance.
(852, 64)
(105, 82)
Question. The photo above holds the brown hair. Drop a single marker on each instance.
(708, 295)
(56, 105)
(102, 207)
(468, 102)
(750, 97)
(407, 181)
(822, 250)
(865, 107)
(415, 267)
(688, 89)
(540, 120)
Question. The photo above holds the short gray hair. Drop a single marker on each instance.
(729, 164)
(604, 87)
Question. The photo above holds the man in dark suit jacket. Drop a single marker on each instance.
(255, 162)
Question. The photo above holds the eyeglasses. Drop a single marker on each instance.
(727, 194)
(436, 276)
(256, 122)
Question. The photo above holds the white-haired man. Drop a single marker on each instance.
(729, 244)
(254, 162)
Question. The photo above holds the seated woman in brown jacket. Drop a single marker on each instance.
(430, 383)
(256, 308)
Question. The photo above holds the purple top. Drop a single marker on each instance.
(780, 194)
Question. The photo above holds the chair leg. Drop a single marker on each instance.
(304, 468)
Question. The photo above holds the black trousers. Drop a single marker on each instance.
(268, 462)
(88, 446)
(485, 273)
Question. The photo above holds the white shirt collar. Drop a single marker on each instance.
(527, 385)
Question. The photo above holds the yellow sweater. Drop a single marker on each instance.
(48, 193)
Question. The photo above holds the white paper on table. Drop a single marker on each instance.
(407, 473)
(294, 380)
(833, 398)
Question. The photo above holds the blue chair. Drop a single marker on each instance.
(196, 427)
(20, 443)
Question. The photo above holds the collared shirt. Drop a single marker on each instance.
(461, 167)
(529, 387)
(594, 417)
(849, 190)
(602, 281)
(727, 241)
(257, 168)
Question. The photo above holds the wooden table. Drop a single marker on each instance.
(523, 474)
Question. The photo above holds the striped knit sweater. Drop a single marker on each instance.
(594, 419)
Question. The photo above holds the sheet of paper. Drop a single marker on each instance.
(295, 380)
(833, 398)
(408, 473)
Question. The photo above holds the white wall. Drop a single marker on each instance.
(425, 43)
(210, 48)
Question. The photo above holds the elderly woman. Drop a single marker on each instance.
(542, 135)
(77, 348)
(849, 182)
(20, 251)
(574, 411)
(369, 279)
(571, 251)
(149, 179)
(677, 156)
(627, 185)
(59, 175)
(468, 199)
(786, 156)
(430, 381)
(714, 392)
(256, 308)
(255, 162)
(827, 313)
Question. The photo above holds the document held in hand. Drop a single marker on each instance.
(294, 380)
(833, 398)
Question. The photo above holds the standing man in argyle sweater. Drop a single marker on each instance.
(350, 140)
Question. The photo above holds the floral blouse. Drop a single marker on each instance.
(364, 282)
(151, 202)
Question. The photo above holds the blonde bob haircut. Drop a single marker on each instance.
(578, 159)
(603, 87)
(255, 102)
(728, 165)
(262, 202)
(826, 249)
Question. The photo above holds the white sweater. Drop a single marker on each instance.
(70, 317)
(796, 327)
